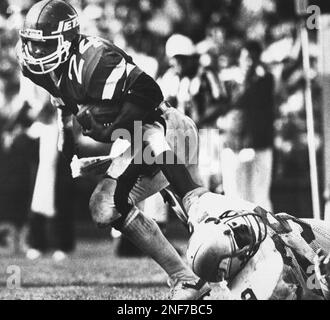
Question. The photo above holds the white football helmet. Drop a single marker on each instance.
(220, 247)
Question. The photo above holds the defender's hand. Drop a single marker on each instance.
(96, 130)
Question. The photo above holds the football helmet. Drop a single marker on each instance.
(50, 29)
(220, 247)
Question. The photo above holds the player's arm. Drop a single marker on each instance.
(129, 113)
(106, 80)
(112, 87)
(322, 271)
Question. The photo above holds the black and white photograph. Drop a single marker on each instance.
(164, 150)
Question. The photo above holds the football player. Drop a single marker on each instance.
(257, 255)
(79, 70)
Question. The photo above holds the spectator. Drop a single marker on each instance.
(191, 85)
(51, 216)
(214, 40)
(177, 83)
(18, 161)
(51, 207)
(248, 128)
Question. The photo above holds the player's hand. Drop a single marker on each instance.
(89, 166)
(322, 266)
(96, 131)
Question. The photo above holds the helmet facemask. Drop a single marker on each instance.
(49, 62)
(245, 232)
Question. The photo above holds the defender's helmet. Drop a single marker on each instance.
(220, 247)
(50, 29)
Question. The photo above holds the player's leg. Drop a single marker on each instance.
(185, 285)
(175, 148)
(182, 139)
(142, 231)
(164, 147)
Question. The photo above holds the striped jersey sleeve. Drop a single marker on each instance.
(108, 78)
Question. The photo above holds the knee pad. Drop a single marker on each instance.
(109, 204)
(102, 204)
(103, 210)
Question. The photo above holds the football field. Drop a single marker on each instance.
(93, 272)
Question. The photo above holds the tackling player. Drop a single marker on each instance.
(81, 70)
(259, 255)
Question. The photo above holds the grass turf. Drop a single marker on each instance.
(93, 272)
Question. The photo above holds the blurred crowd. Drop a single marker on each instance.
(233, 66)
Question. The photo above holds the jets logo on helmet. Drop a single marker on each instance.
(50, 30)
(66, 25)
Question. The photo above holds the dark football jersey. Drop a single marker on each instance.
(97, 70)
